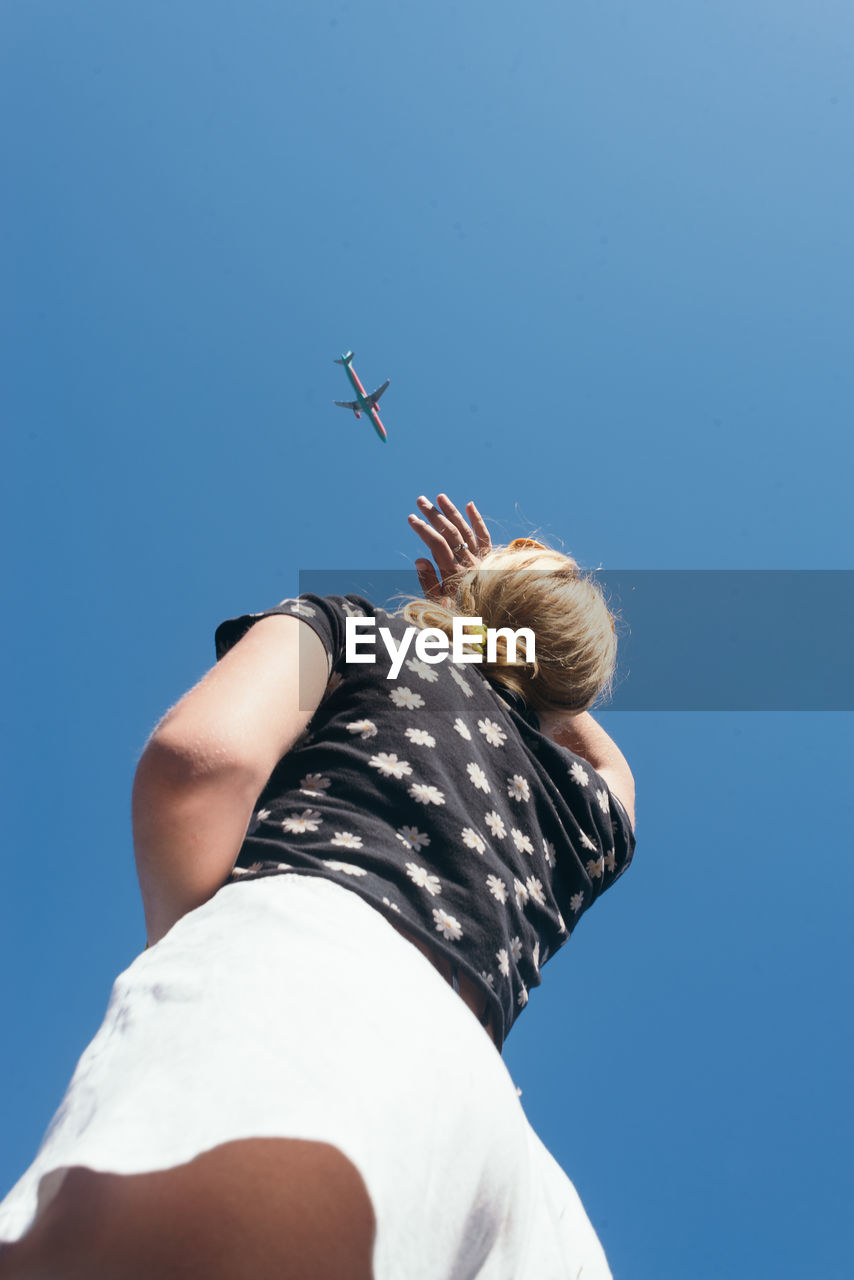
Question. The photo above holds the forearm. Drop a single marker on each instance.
(187, 832)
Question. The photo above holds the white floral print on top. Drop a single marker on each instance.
(448, 926)
(493, 732)
(255, 821)
(478, 777)
(497, 888)
(464, 685)
(503, 962)
(579, 774)
(517, 788)
(422, 669)
(364, 728)
(315, 783)
(389, 765)
(549, 851)
(602, 797)
(576, 902)
(472, 840)
(404, 697)
(308, 820)
(347, 840)
(303, 609)
(535, 890)
(425, 794)
(462, 729)
(412, 837)
(348, 868)
(521, 841)
(423, 878)
(421, 738)
(496, 824)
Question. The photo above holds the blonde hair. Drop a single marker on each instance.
(543, 589)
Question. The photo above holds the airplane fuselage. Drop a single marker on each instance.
(365, 407)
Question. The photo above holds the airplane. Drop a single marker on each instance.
(363, 403)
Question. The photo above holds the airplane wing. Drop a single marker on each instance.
(375, 395)
(347, 404)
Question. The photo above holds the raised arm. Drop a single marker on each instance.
(455, 544)
(582, 735)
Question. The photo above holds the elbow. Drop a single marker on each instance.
(178, 770)
(175, 770)
(190, 806)
(179, 759)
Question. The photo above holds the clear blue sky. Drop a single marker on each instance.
(604, 252)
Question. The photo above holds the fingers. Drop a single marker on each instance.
(457, 522)
(457, 539)
(477, 537)
(430, 584)
(484, 541)
(454, 545)
(438, 547)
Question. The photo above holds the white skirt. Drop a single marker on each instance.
(289, 1007)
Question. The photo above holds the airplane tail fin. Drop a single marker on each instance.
(346, 358)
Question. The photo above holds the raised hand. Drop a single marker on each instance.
(454, 544)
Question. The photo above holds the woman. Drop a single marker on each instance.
(351, 879)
